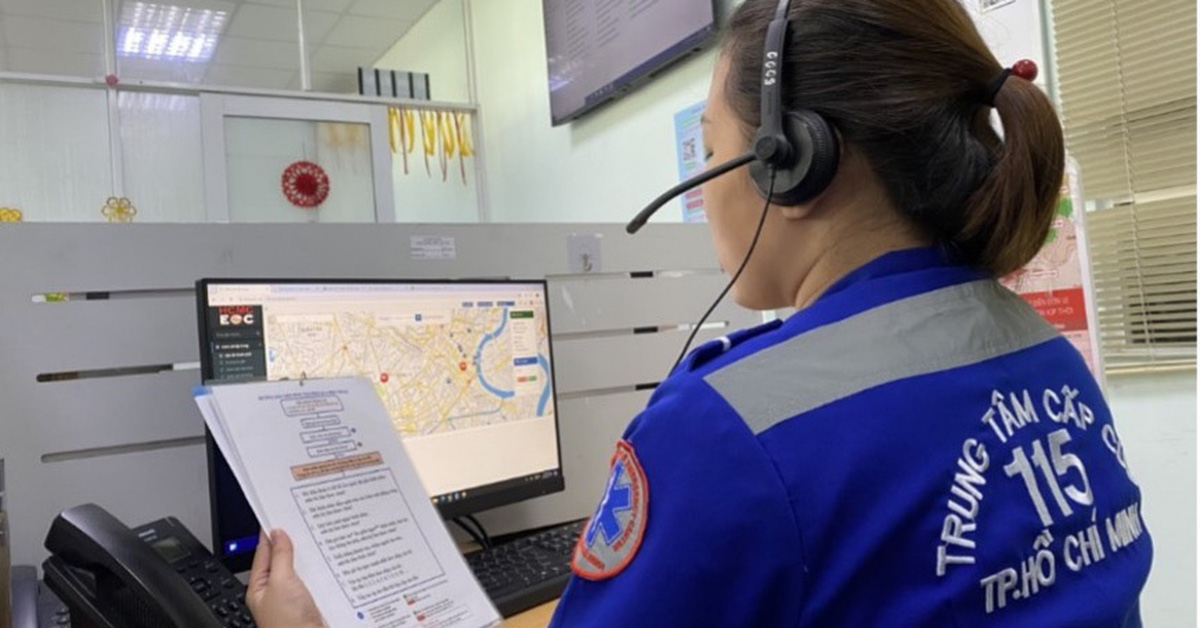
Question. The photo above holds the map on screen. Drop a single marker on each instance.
(435, 370)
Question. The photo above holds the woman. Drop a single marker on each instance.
(913, 447)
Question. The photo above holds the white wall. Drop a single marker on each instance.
(436, 45)
(603, 167)
(1155, 415)
(1014, 32)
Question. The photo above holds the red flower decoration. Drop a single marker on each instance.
(305, 184)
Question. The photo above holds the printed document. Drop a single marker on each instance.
(319, 459)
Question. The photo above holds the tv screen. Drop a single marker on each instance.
(600, 49)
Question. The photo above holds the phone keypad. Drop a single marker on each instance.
(220, 589)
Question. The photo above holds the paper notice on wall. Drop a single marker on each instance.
(689, 145)
(1057, 282)
(432, 248)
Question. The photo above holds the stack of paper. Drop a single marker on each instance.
(320, 460)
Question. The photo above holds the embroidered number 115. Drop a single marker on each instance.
(1054, 466)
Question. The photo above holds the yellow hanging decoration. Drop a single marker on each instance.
(430, 136)
(449, 135)
(462, 146)
(410, 130)
(395, 129)
(118, 209)
(396, 137)
(465, 147)
(9, 214)
(444, 134)
(445, 143)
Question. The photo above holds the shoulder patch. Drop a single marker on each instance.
(613, 535)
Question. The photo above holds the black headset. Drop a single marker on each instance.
(795, 153)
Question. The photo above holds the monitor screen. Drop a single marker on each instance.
(597, 50)
(464, 370)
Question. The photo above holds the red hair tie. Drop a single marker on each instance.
(1024, 69)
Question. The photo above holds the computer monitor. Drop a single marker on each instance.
(464, 369)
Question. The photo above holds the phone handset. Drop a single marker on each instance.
(102, 568)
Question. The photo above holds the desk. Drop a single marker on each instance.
(536, 617)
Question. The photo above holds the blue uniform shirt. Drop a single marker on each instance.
(917, 448)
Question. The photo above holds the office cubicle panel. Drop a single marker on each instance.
(100, 350)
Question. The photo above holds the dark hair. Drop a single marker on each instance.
(905, 82)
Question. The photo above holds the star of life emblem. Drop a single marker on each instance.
(612, 536)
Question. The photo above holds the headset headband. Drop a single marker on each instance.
(772, 146)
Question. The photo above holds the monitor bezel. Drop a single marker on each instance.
(493, 496)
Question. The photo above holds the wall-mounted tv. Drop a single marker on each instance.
(598, 50)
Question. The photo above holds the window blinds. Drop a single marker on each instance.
(1127, 84)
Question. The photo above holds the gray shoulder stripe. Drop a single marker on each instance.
(927, 333)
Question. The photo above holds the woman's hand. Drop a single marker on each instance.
(275, 594)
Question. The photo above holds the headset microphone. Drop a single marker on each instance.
(640, 219)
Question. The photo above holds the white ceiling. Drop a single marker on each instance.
(258, 45)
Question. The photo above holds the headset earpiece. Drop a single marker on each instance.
(800, 148)
(814, 153)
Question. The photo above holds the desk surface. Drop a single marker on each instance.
(536, 617)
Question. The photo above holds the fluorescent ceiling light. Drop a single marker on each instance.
(169, 32)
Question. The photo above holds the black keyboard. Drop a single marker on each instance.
(524, 572)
